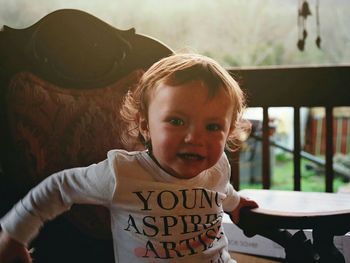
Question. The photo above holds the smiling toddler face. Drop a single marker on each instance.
(187, 127)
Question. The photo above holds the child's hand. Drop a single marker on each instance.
(243, 202)
(12, 251)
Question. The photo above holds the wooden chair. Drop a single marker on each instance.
(327, 214)
(62, 82)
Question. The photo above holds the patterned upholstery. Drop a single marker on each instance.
(54, 128)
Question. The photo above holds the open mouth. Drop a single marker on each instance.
(190, 156)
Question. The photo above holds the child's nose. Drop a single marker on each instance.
(194, 135)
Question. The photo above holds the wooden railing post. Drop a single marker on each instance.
(329, 150)
(234, 162)
(266, 169)
(297, 150)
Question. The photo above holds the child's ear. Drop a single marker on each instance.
(143, 128)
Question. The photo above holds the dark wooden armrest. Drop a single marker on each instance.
(327, 214)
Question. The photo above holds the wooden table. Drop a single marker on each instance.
(326, 214)
(246, 258)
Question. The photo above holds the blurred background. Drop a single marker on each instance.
(234, 32)
(240, 33)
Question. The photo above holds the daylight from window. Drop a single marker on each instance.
(235, 32)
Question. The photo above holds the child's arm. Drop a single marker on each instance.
(89, 185)
(11, 250)
(243, 202)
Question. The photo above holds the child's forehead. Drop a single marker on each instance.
(193, 85)
(188, 93)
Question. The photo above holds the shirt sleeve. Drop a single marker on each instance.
(94, 184)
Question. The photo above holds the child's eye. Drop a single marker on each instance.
(176, 122)
(213, 127)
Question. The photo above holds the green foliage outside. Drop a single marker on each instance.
(312, 180)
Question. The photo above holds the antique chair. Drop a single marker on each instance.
(62, 83)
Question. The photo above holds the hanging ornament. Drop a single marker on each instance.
(318, 38)
(303, 12)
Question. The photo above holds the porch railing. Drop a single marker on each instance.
(295, 87)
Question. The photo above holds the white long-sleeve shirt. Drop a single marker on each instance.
(155, 217)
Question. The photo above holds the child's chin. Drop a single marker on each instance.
(187, 174)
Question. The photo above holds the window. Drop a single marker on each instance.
(236, 33)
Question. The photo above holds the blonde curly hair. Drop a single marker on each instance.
(176, 70)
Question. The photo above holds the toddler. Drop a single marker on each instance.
(166, 202)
